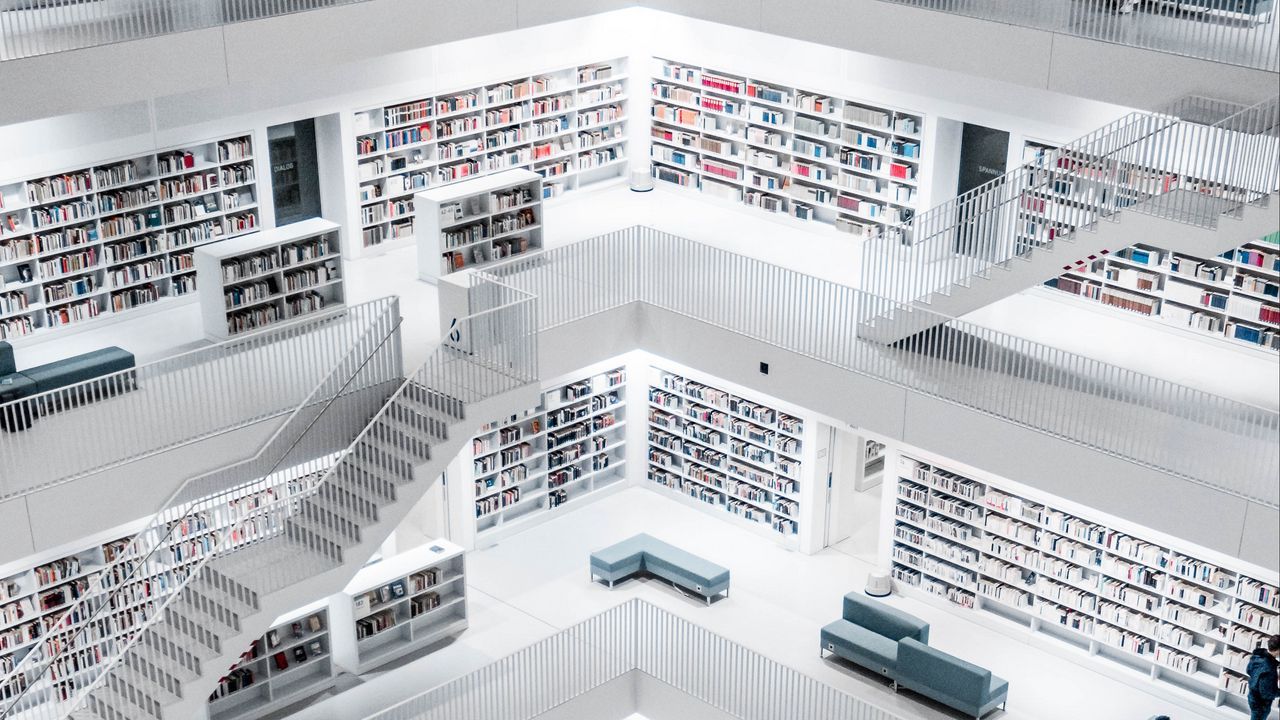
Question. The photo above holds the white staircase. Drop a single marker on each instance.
(898, 321)
(1189, 188)
(327, 536)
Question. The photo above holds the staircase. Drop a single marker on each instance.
(327, 536)
(1190, 188)
(306, 532)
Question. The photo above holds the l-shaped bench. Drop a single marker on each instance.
(645, 553)
(895, 644)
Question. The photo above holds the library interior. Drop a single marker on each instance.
(338, 338)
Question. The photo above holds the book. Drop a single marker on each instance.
(281, 661)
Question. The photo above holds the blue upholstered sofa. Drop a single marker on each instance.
(868, 632)
(948, 679)
(895, 644)
(68, 372)
(645, 553)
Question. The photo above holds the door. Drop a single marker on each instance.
(295, 175)
(853, 503)
(984, 153)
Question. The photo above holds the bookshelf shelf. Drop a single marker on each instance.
(720, 450)
(400, 605)
(785, 154)
(570, 447)
(515, 123)
(1151, 607)
(478, 221)
(265, 278)
(291, 661)
(50, 237)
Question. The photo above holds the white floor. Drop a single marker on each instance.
(1239, 373)
(532, 585)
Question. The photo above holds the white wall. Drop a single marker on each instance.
(284, 48)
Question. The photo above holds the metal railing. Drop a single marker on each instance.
(491, 352)
(172, 402)
(150, 569)
(1225, 31)
(635, 636)
(1221, 443)
(30, 28)
(1145, 163)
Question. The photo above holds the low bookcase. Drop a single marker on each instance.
(477, 222)
(400, 605)
(291, 662)
(267, 278)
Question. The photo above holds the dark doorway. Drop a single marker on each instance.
(983, 154)
(295, 177)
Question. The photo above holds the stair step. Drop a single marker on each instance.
(186, 634)
(400, 438)
(421, 418)
(187, 651)
(312, 519)
(128, 704)
(316, 538)
(434, 400)
(275, 563)
(424, 431)
(167, 659)
(380, 460)
(161, 688)
(356, 490)
(205, 612)
(233, 595)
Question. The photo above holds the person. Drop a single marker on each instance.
(1262, 678)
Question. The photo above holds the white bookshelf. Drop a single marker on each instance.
(271, 277)
(736, 458)
(784, 149)
(289, 663)
(1151, 607)
(567, 124)
(28, 594)
(103, 239)
(400, 605)
(569, 448)
(1235, 296)
(479, 221)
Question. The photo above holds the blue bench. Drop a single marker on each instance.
(868, 632)
(949, 680)
(68, 372)
(895, 644)
(645, 553)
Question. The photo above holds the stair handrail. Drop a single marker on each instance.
(1129, 164)
(454, 365)
(975, 231)
(168, 381)
(776, 305)
(196, 495)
